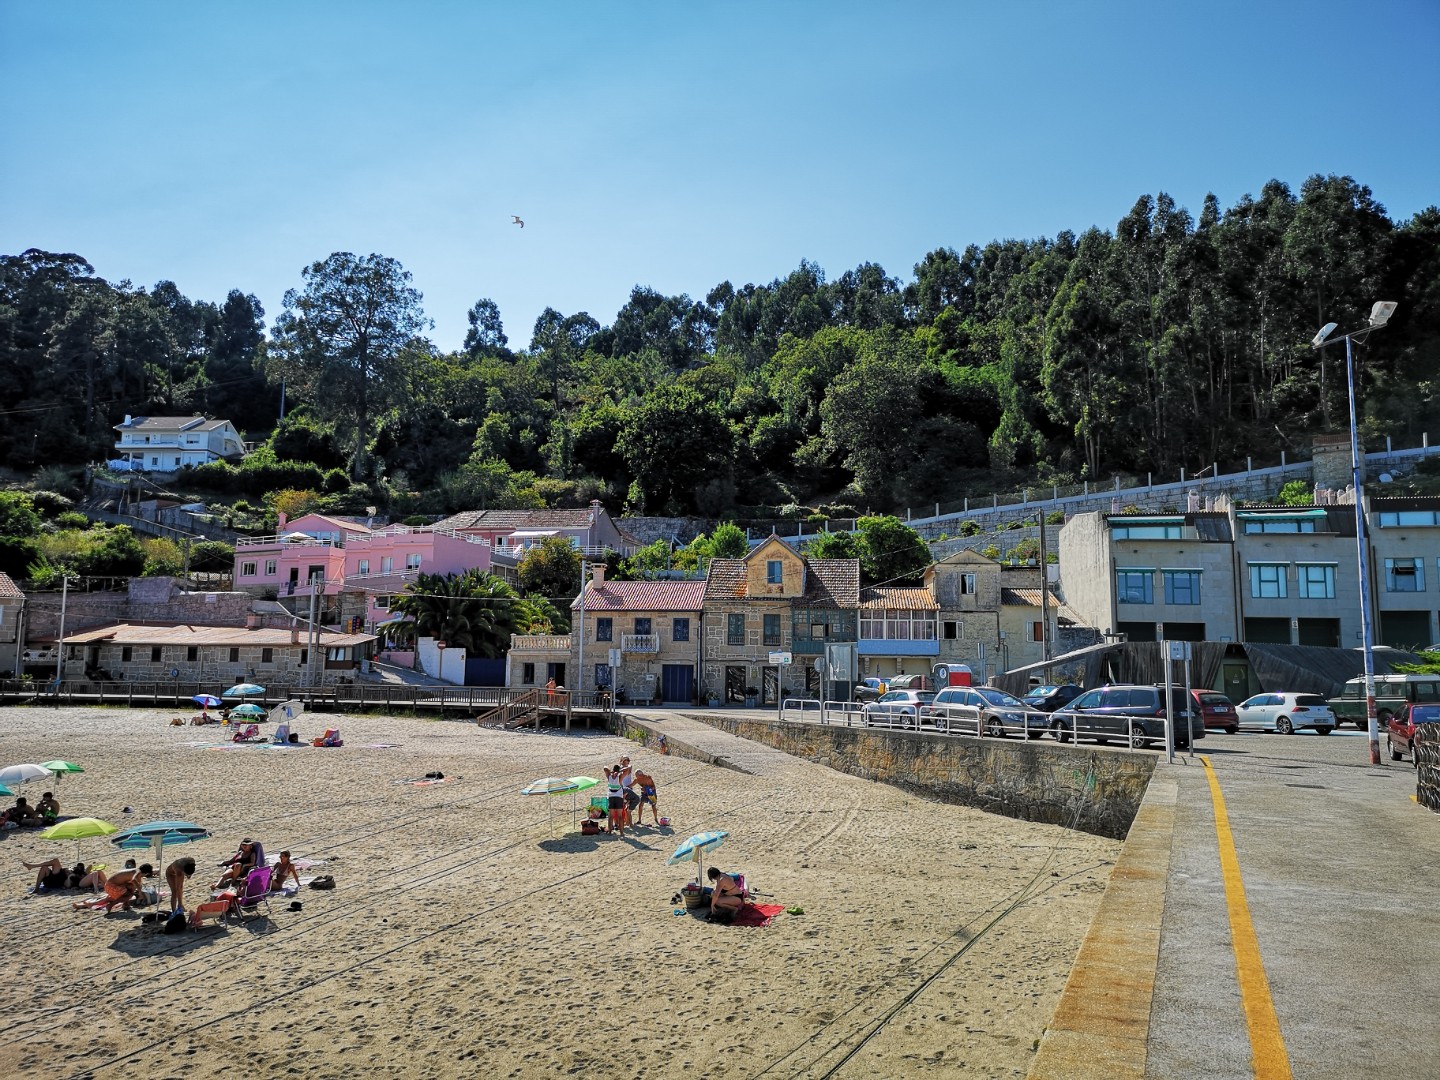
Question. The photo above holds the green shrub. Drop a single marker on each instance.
(59, 479)
(1055, 517)
(72, 519)
(969, 528)
(51, 503)
(990, 551)
(336, 481)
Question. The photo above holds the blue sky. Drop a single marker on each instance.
(671, 145)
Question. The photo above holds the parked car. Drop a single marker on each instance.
(1050, 698)
(1216, 710)
(1400, 731)
(869, 689)
(1391, 691)
(897, 707)
(973, 709)
(1132, 712)
(1286, 713)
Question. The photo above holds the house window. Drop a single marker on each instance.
(126, 652)
(412, 561)
(527, 674)
(192, 653)
(1145, 532)
(1035, 631)
(267, 656)
(772, 630)
(1182, 586)
(605, 629)
(967, 584)
(337, 653)
(1267, 581)
(382, 603)
(234, 655)
(1403, 518)
(1281, 525)
(1404, 575)
(819, 631)
(643, 626)
(774, 572)
(269, 567)
(952, 631)
(1135, 586)
(247, 569)
(602, 676)
(156, 654)
(363, 567)
(1317, 581)
(387, 564)
(304, 657)
(680, 630)
(735, 630)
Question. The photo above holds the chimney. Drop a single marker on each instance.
(126, 421)
(597, 573)
(280, 521)
(295, 635)
(252, 621)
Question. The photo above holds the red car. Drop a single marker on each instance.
(1400, 728)
(1217, 710)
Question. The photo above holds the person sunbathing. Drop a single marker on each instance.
(239, 865)
(52, 874)
(283, 869)
(22, 813)
(122, 888)
(726, 895)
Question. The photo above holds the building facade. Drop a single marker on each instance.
(168, 443)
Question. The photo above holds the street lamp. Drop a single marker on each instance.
(1379, 316)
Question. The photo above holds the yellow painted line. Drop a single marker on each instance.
(1268, 1058)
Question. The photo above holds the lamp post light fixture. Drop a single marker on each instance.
(1379, 316)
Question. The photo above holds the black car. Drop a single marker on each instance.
(1136, 713)
(1050, 698)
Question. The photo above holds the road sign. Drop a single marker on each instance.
(1179, 650)
(780, 658)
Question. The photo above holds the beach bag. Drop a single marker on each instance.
(175, 923)
(325, 882)
(590, 828)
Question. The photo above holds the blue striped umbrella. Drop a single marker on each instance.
(695, 848)
(156, 834)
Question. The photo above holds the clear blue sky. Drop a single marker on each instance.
(674, 145)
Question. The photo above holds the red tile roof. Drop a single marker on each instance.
(828, 582)
(185, 634)
(516, 519)
(644, 596)
(9, 590)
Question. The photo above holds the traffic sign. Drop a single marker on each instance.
(780, 658)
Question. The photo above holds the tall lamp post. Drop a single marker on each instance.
(1379, 316)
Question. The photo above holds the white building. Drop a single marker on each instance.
(167, 443)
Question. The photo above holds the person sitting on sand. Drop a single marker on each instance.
(22, 813)
(726, 896)
(48, 808)
(122, 888)
(239, 865)
(281, 870)
(646, 783)
(176, 875)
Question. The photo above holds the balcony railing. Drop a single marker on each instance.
(277, 541)
(640, 643)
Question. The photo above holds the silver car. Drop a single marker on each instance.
(897, 707)
(1285, 713)
(971, 710)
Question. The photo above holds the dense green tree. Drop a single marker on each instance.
(674, 443)
(551, 569)
(474, 611)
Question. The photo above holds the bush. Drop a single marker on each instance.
(72, 519)
(51, 503)
(990, 551)
(1055, 517)
(969, 528)
(336, 481)
(212, 556)
(61, 480)
(17, 553)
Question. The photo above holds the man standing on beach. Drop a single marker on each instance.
(647, 795)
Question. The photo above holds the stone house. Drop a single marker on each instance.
(774, 600)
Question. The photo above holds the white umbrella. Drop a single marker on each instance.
(23, 774)
(550, 785)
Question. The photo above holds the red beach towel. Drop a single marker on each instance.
(756, 914)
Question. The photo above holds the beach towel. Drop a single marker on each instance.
(756, 914)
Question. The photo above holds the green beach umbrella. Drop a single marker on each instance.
(60, 768)
(79, 828)
(581, 783)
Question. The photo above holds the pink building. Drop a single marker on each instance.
(310, 548)
(386, 560)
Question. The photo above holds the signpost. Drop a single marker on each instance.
(780, 660)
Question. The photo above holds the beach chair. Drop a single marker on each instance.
(212, 910)
(330, 738)
(281, 736)
(254, 895)
(249, 733)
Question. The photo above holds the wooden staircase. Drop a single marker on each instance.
(515, 713)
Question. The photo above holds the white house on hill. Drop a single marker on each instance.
(166, 443)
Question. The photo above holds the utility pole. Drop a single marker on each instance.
(60, 639)
(311, 635)
(1044, 599)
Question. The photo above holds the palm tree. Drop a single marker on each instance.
(474, 611)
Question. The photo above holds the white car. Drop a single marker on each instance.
(897, 707)
(1285, 713)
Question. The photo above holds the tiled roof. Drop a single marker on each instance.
(1025, 598)
(170, 423)
(884, 596)
(517, 519)
(9, 590)
(214, 636)
(828, 582)
(644, 596)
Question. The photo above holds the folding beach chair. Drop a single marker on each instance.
(249, 733)
(212, 910)
(281, 736)
(254, 895)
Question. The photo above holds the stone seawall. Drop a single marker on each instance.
(1092, 789)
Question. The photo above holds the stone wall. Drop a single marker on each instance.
(1088, 788)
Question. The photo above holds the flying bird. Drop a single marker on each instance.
(517, 221)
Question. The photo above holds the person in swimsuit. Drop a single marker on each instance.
(122, 889)
(176, 874)
(48, 808)
(627, 788)
(52, 874)
(239, 865)
(726, 896)
(647, 796)
(283, 869)
(616, 802)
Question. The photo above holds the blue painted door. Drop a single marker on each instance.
(677, 682)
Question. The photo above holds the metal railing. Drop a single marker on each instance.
(801, 706)
(640, 643)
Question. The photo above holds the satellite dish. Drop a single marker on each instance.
(1385, 478)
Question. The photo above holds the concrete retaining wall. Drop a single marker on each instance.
(1091, 789)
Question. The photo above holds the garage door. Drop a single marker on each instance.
(677, 682)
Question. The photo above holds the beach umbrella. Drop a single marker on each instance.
(695, 848)
(60, 768)
(5, 790)
(77, 829)
(207, 701)
(581, 783)
(244, 689)
(248, 709)
(549, 785)
(156, 834)
(23, 774)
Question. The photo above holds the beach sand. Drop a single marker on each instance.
(474, 929)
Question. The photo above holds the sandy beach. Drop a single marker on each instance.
(474, 929)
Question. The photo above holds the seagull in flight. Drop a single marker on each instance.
(517, 221)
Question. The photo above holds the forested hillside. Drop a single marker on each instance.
(1172, 341)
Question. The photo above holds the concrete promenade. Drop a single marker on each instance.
(1317, 886)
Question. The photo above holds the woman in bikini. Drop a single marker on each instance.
(726, 896)
(122, 888)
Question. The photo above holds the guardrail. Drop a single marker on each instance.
(850, 712)
(802, 706)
